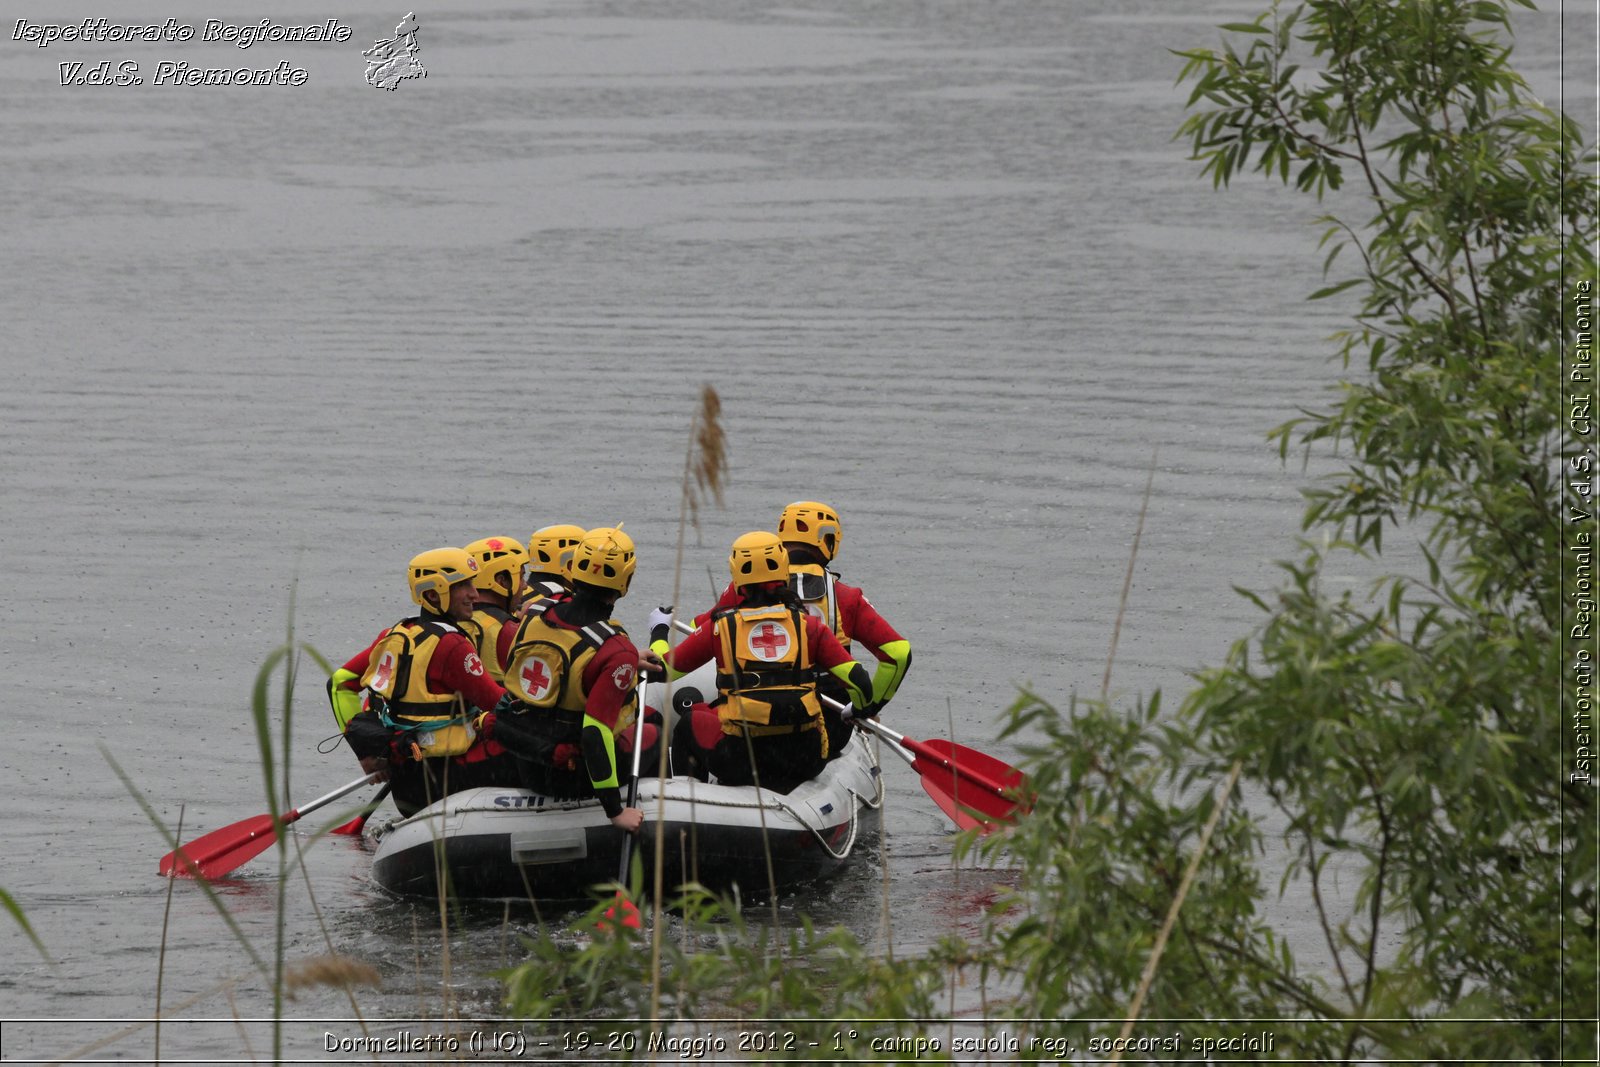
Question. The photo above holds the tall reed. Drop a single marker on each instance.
(705, 466)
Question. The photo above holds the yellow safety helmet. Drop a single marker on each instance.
(814, 524)
(437, 570)
(604, 558)
(758, 557)
(550, 549)
(497, 556)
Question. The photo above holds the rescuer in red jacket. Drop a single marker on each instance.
(812, 533)
(571, 670)
(766, 727)
(424, 727)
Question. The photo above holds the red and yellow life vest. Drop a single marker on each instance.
(397, 671)
(546, 664)
(537, 589)
(766, 659)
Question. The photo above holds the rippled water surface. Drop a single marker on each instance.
(943, 262)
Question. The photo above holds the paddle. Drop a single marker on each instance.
(223, 851)
(633, 782)
(354, 827)
(972, 787)
(629, 913)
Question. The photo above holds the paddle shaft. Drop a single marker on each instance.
(246, 838)
(916, 748)
(328, 798)
(633, 782)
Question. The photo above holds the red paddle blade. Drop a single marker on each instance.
(222, 851)
(352, 828)
(981, 768)
(963, 817)
(964, 801)
(971, 787)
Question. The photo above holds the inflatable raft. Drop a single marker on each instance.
(507, 842)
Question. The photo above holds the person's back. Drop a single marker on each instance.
(812, 534)
(768, 651)
(571, 669)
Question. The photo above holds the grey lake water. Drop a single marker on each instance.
(941, 259)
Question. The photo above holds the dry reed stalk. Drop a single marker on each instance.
(955, 874)
(441, 881)
(1116, 626)
(505, 932)
(244, 1035)
(883, 849)
(1127, 579)
(766, 845)
(1172, 912)
(416, 965)
(705, 465)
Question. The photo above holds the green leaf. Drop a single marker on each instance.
(15, 911)
(1324, 293)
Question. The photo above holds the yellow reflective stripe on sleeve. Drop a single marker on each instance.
(843, 672)
(346, 702)
(886, 679)
(661, 648)
(610, 741)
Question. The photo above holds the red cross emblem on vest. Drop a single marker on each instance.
(535, 678)
(383, 675)
(768, 641)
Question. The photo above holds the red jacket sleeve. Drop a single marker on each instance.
(699, 647)
(862, 621)
(456, 668)
(609, 680)
(826, 651)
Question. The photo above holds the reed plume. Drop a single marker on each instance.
(339, 972)
(705, 463)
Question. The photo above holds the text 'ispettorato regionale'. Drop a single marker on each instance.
(243, 34)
